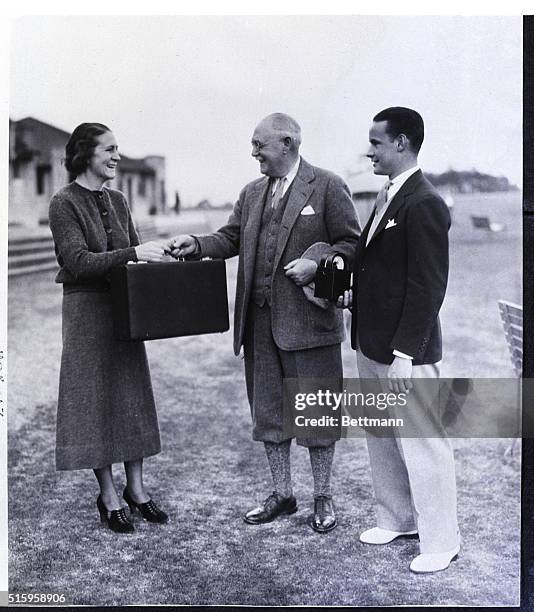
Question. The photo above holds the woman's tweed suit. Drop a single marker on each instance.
(106, 412)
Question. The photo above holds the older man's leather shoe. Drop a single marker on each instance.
(324, 516)
(273, 506)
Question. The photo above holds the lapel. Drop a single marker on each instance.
(362, 240)
(396, 203)
(300, 192)
(255, 202)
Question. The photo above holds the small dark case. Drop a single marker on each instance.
(330, 282)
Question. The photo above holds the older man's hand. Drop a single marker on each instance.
(183, 245)
(301, 271)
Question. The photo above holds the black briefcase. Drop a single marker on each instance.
(165, 300)
(332, 277)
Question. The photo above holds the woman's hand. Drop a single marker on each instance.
(150, 251)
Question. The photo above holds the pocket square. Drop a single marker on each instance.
(307, 210)
(391, 223)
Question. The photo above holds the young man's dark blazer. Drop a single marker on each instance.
(400, 277)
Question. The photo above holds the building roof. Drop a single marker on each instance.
(128, 164)
(366, 182)
(38, 137)
(34, 138)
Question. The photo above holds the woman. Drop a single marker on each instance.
(106, 412)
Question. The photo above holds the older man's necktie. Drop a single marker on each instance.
(278, 192)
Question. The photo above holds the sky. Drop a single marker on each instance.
(192, 88)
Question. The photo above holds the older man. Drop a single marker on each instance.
(274, 222)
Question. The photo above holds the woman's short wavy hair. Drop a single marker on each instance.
(80, 147)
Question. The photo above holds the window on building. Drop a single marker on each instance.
(141, 186)
(130, 192)
(41, 173)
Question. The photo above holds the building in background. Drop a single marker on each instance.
(36, 172)
(364, 187)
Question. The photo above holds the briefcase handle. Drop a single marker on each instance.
(175, 260)
(181, 259)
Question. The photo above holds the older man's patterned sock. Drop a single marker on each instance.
(321, 458)
(279, 462)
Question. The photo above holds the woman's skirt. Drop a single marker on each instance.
(106, 412)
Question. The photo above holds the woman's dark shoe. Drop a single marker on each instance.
(116, 519)
(148, 510)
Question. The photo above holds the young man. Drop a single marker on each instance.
(400, 272)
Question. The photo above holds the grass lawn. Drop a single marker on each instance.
(211, 471)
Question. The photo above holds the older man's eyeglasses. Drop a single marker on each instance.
(258, 145)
